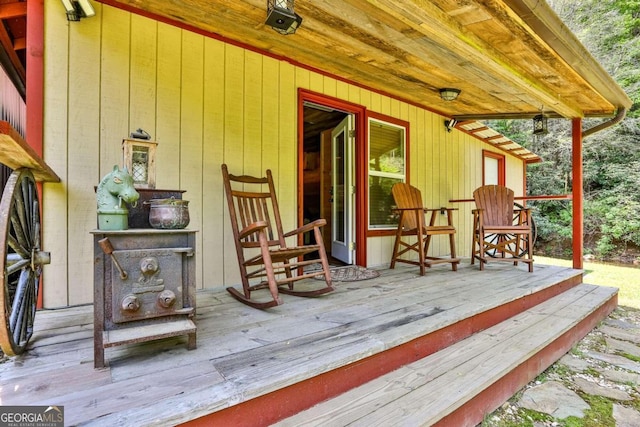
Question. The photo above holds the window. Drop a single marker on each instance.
(387, 166)
(493, 171)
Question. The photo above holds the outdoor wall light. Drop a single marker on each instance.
(540, 125)
(449, 94)
(450, 124)
(77, 9)
(281, 17)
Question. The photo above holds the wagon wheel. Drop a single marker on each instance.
(20, 260)
(491, 240)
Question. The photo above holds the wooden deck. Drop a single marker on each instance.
(289, 357)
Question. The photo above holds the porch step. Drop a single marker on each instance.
(461, 383)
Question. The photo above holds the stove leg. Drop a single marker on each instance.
(191, 344)
(98, 352)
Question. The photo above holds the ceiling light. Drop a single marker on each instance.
(449, 94)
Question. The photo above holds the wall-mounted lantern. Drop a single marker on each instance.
(281, 16)
(77, 9)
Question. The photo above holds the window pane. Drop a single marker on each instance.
(381, 204)
(386, 148)
(490, 171)
(386, 168)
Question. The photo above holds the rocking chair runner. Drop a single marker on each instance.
(413, 223)
(500, 232)
(257, 229)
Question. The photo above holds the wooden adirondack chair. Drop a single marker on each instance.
(500, 232)
(413, 223)
(261, 246)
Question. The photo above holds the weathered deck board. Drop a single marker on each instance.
(244, 353)
(415, 394)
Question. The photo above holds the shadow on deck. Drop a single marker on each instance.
(259, 367)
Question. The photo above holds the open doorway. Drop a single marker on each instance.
(318, 193)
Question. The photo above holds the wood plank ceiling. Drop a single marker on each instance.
(510, 58)
(14, 41)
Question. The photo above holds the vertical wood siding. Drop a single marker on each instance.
(205, 103)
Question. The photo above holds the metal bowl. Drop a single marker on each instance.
(168, 213)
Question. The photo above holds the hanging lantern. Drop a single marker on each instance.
(540, 125)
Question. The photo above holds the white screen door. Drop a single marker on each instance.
(343, 186)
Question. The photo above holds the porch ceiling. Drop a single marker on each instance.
(510, 58)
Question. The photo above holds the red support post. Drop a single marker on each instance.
(35, 88)
(578, 193)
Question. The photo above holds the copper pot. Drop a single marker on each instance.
(168, 213)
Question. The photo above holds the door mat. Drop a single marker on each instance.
(350, 273)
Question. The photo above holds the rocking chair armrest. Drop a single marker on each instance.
(410, 209)
(440, 209)
(252, 228)
(307, 227)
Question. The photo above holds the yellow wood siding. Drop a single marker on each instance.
(205, 103)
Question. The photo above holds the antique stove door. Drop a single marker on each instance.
(155, 285)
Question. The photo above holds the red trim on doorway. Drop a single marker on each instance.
(578, 193)
(359, 113)
(35, 88)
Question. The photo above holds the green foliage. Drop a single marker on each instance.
(610, 30)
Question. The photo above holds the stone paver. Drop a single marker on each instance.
(627, 335)
(613, 359)
(621, 377)
(574, 363)
(591, 387)
(555, 399)
(625, 417)
(623, 346)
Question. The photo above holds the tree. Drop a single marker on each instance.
(610, 30)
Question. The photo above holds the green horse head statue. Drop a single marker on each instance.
(116, 187)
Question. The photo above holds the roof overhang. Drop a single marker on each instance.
(510, 58)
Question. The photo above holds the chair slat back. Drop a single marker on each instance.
(408, 197)
(497, 204)
(249, 201)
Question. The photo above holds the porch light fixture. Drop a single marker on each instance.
(450, 124)
(540, 125)
(281, 16)
(77, 9)
(449, 94)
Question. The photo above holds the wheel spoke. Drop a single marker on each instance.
(17, 246)
(18, 298)
(17, 266)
